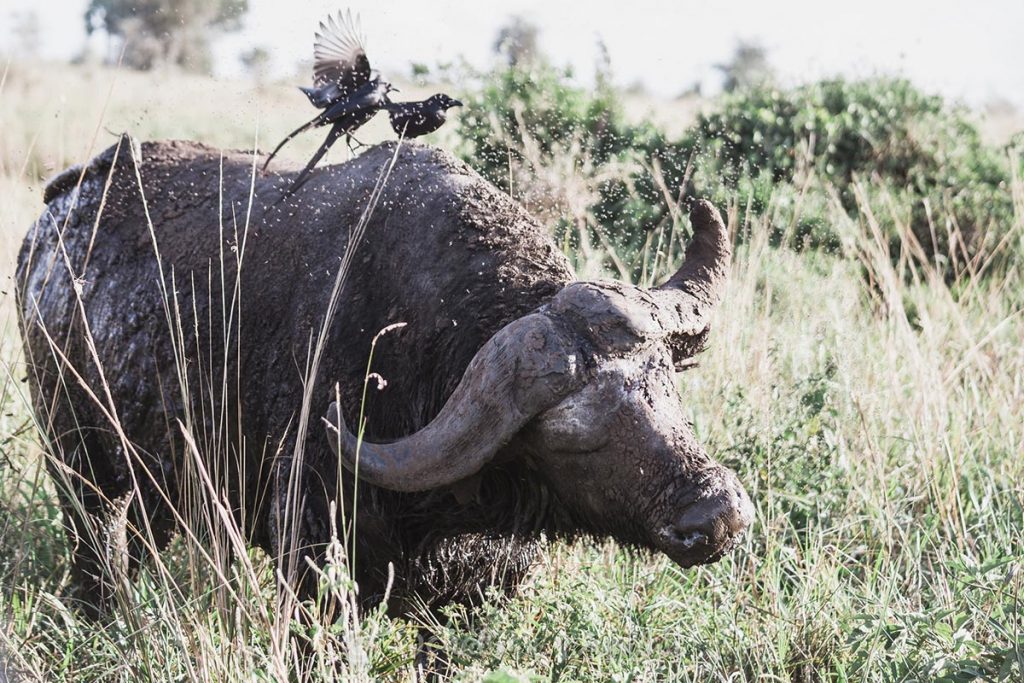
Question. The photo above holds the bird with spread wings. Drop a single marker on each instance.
(344, 87)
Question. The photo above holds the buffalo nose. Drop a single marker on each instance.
(714, 523)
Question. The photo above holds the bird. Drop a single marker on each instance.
(413, 119)
(344, 86)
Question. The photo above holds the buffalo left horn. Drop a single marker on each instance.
(525, 368)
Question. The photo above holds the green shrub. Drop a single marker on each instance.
(797, 155)
(529, 116)
(883, 132)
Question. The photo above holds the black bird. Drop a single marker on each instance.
(343, 86)
(413, 119)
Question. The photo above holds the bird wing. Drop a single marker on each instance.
(363, 98)
(323, 96)
(339, 57)
(401, 108)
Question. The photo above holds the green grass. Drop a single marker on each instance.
(875, 412)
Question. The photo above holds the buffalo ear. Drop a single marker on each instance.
(684, 347)
(684, 364)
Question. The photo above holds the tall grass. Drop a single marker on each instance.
(873, 407)
(210, 593)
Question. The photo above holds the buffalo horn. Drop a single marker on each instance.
(689, 297)
(527, 367)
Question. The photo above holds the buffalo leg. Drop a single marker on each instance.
(86, 486)
(109, 525)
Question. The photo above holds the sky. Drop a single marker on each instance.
(970, 51)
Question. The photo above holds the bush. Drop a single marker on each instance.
(800, 154)
(569, 151)
(540, 103)
(884, 132)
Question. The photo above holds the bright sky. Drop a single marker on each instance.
(968, 50)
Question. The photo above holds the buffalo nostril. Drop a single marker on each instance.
(687, 538)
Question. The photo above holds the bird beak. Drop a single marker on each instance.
(455, 103)
(392, 88)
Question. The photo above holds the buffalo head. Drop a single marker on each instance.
(584, 389)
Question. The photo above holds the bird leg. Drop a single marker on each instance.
(349, 139)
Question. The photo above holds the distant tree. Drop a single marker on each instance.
(692, 90)
(636, 87)
(27, 30)
(257, 62)
(602, 65)
(419, 70)
(517, 41)
(748, 67)
(155, 32)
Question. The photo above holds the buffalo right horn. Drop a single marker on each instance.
(525, 368)
(692, 293)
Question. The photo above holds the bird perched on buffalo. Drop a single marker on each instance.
(343, 86)
(413, 119)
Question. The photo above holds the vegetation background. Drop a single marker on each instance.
(865, 378)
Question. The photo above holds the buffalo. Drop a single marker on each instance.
(399, 344)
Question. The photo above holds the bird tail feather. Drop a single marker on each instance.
(301, 129)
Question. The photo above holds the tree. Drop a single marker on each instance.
(748, 67)
(517, 41)
(257, 62)
(156, 32)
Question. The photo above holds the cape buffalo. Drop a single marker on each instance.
(172, 316)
